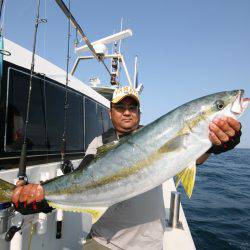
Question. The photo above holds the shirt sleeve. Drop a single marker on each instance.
(92, 148)
(90, 152)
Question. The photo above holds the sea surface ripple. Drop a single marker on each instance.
(219, 210)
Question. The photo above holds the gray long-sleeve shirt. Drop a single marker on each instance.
(136, 223)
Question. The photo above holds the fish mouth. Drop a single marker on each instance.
(240, 104)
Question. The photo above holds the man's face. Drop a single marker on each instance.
(125, 115)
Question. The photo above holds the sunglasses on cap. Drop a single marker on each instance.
(122, 107)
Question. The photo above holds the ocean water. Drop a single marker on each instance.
(218, 213)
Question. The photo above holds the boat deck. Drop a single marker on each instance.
(76, 225)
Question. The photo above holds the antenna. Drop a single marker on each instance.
(137, 86)
(113, 49)
(120, 42)
(136, 73)
(105, 41)
(100, 45)
(115, 62)
(119, 49)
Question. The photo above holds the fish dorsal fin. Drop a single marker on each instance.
(106, 148)
(95, 212)
(187, 177)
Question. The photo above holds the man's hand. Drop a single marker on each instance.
(27, 193)
(223, 129)
(29, 199)
(224, 134)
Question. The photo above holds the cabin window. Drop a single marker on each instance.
(75, 127)
(55, 96)
(18, 83)
(86, 118)
(97, 120)
(93, 126)
(104, 116)
(55, 115)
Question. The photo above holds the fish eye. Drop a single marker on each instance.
(219, 104)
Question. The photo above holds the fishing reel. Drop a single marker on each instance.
(67, 166)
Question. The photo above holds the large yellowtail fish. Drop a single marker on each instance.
(143, 160)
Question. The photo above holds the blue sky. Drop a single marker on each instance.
(186, 49)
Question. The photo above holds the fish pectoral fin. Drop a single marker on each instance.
(95, 212)
(174, 144)
(187, 177)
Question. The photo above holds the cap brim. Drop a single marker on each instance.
(118, 99)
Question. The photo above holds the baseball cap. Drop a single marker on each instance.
(121, 93)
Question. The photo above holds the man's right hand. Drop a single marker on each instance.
(27, 193)
(29, 198)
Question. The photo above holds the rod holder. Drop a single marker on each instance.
(174, 212)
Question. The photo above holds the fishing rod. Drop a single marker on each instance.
(1, 7)
(66, 165)
(22, 162)
(67, 12)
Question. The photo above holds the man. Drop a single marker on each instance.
(137, 223)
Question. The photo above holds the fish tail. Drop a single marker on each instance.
(6, 190)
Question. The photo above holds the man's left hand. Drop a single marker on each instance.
(224, 134)
(222, 129)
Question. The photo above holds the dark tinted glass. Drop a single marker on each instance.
(96, 120)
(93, 126)
(17, 106)
(46, 120)
(105, 119)
(75, 127)
(2, 125)
(55, 96)
(99, 118)
(3, 90)
(55, 115)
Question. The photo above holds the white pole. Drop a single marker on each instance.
(135, 72)
(16, 242)
(126, 71)
(120, 42)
